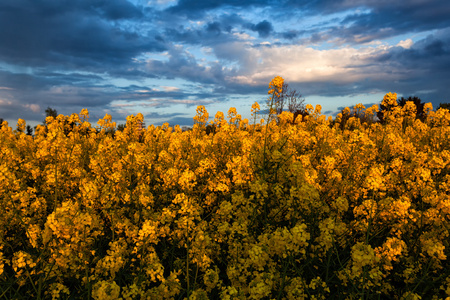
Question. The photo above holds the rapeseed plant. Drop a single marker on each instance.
(277, 209)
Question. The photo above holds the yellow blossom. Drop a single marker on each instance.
(389, 100)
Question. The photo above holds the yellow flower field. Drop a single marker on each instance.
(307, 209)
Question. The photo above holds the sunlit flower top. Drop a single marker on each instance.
(276, 86)
(390, 99)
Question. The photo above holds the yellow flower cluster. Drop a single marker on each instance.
(390, 99)
(276, 86)
(315, 209)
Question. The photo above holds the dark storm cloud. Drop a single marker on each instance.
(214, 28)
(263, 28)
(383, 19)
(116, 10)
(373, 20)
(55, 89)
(427, 64)
(290, 34)
(197, 9)
(181, 64)
(82, 34)
(211, 33)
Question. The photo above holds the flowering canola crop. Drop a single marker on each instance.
(304, 209)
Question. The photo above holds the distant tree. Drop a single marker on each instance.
(292, 100)
(210, 128)
(121, 127)
(141, 125)
(1, 121)
(420, 114)
(300, 112)
(444, 105)
(50, 112)
(68, 125)
(29, 130)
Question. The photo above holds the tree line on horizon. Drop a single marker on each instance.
(291, 100)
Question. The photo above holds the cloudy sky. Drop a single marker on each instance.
(165, 57)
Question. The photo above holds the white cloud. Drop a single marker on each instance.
(243, 36)
(298, 63)
(406, 43)
(170, 88)
(5, 102)
(161, 4)
(33, 107)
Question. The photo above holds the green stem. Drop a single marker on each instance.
(187, 259)
(56, 182)
(421, 279)
(283, 281)
(342, 266)
(265, 135)
(32, 283)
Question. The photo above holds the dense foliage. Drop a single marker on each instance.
(253, 210)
